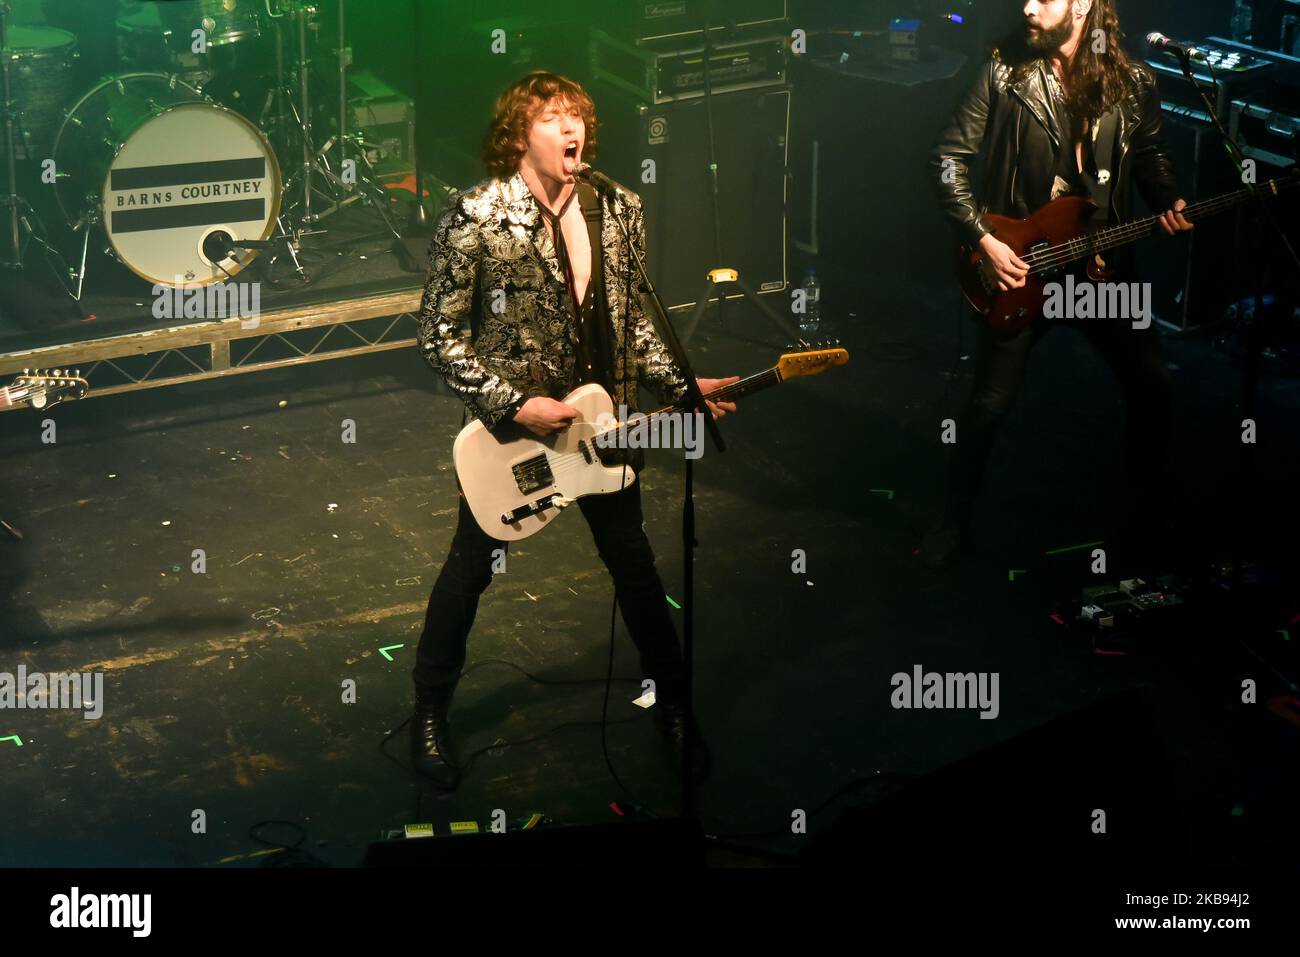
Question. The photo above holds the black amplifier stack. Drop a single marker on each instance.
(660, 134)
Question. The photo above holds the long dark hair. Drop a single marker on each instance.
(1097, 81)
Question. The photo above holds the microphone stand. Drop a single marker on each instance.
(693, 401)
(1263, 216)
(10, 138)
(714, 197)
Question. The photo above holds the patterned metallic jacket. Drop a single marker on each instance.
(495, 322)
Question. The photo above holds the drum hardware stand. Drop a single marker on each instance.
(17, 246)
(20, 229)
(345, 60)
(292, 245)
(291, 116)
(314, 166)
(366, 188)
(276, 96)
(366, 182)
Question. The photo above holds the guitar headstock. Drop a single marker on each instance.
(811, 358)
(44, 388)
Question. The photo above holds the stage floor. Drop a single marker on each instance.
(223, 690)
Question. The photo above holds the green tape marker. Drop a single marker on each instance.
(15, 739)
(671, 602)
(1013, 572)
(387, 648)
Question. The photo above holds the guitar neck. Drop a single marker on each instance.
(1112, 237)
(792, 365)
(737, 390)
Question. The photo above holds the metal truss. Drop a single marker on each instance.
(210, 350)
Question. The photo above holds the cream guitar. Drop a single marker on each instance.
(516, 483)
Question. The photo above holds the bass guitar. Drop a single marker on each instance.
(1055, 239)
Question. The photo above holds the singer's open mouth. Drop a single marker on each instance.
(571, 151)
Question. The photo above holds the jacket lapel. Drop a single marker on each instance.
(521, 209)
(1032, 92)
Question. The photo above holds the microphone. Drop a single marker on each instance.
(600, 181)
(217, 246)
(1158, 41)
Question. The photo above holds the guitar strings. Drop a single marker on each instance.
(564, 462)
(560, 463)
(1084, 244)
(1138, 227)
(1053, 256)
(1043, 260)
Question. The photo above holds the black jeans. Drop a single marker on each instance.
(616, 525)
(1134, 357)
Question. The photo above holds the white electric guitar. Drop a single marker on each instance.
(516, 483)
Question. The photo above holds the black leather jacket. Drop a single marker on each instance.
(1015, 129)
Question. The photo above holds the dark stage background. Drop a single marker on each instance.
(222, 689)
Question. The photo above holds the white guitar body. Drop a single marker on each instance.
(516, 483)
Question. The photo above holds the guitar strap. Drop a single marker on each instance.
(1103, 156)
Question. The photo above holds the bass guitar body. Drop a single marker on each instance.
(1063, 220)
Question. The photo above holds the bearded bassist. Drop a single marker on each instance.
(1059, 110)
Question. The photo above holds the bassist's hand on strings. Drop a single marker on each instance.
(1008, 268)
(1172, 220)
(719, 409)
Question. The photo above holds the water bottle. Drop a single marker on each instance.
(810, 320)
(1242, 17)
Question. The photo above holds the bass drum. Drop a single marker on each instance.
(164, 170)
